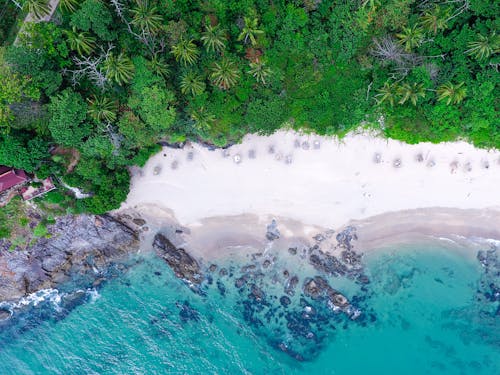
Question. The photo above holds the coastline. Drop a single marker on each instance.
(225, 198)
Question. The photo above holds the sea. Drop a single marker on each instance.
(420, 309)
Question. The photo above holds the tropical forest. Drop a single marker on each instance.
(93, 87)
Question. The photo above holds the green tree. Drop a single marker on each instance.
(81, 42)
(214, 38)
(185, 51)
(145, 16)
(250, 31)
(38, 8)
(67, 118)
(68, 6)
(452, 93)
(34, 63)
(102, 108)
(224, 74)
(411, 92)
(411, 37)
(387, 93)
(154, 105)
(159, 66)
(93, 15)
(260, 71)
(484, 46)
(22, 151)
(203, 119)
(192, 83)
(435, 19)
(119, 68)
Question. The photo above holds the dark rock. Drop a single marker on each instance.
(292, 250)
(212, 268)
(139, 222)
(184, 266)
(187, 313)
(290, 285)
(285, 301)
(221, 287)
(266, 263)
(319, 237)
(240, 282)
(223, 272)
(256, 293)
(345, 237)
(272, 231)
(81, 248)
(247, 268)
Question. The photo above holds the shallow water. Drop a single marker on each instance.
(423, 315)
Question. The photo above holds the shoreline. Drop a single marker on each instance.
(221, 237)
(390, 191)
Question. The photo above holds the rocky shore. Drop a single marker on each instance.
(77, 247)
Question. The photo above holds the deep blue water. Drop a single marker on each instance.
(425, 311)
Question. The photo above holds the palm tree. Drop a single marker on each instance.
(260, 71)
(185, 51)
(452, 93)
(146, 17)
(250, 31)
(81, 42)
(158, 65)
(213, 38)
(411, 92)
(203, 119)
(38, 8)
(410, 37)
(102, 109)
(436, 19)
(192, 83)
(387, 93)
(224, 74)
(484, 46)
(119, 68)
(68, 6)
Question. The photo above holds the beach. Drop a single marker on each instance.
(391, 191)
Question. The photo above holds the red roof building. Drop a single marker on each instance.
(10, 177)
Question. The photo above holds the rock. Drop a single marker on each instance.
(5, 314)
(184, 266)
(319, 237)
(212, 268)
(138, 221)
(223, 272)
(256, 293)
(285, 301)
(272, 231)
(345, 237)
(292, 250)
(240, 282)
(81, 248)
(266, 263)
(187, 313)
(290, 285)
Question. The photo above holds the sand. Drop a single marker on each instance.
(312, 183)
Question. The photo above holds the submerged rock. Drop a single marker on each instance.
(184, 266)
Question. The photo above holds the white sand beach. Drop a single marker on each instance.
(326, 183)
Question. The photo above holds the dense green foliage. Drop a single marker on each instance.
(112, 79)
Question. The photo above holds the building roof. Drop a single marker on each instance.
(10, 177)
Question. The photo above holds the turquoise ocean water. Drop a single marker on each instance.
(425, 314)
